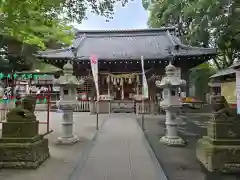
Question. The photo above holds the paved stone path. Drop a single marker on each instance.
(120, 152)
(63, 158)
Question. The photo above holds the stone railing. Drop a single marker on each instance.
(124, 106)
(145, 108)
(83, 106)
(89, 106)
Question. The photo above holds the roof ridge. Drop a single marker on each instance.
(127, 30)
(119, 35)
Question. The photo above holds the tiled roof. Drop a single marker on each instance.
(59, 53)
(127, 44)
(236, 65)
(223, 72)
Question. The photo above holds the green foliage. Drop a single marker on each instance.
(37, 21)
(208, 23)
(32, 22)
(199, 76)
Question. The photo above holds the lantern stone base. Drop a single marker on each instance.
(172, 141)
(68, 140)
(223, 156)
(23, 153)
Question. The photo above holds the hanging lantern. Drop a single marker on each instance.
(137, 79)
(130, 80)
(114, 81)
(108, 79)
(118, 80)
(121, 81)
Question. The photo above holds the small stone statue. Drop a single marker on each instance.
(21, 145)
(221, 108)
(24, 111)
(29, 103)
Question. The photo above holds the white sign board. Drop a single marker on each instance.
(238, 90)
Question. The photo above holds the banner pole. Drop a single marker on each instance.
(143, 128)
(97, 128)
(94, 66)
(143, 93)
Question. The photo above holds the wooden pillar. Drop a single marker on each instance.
(108, 81)
(137, 82)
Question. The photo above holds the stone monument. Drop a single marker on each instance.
(20, 145)
(219, 151)
(68, 101)
(171, 104)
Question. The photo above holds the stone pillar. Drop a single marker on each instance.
(170, 125)
(93, 107)
(67, 136)
(108, 81)
(171, 137)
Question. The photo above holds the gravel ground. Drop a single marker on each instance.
(180, 163)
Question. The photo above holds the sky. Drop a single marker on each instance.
(133, 16)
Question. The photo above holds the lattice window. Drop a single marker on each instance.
(87, 87)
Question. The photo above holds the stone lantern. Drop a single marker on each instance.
(68, 90)
(171, 103)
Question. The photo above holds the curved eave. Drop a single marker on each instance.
(178, 54)
(236, 65)
(224, 72)
(65, 53)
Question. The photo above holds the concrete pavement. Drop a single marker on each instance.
(120, 152)
(63, 158)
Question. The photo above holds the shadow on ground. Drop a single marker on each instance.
(180, 163)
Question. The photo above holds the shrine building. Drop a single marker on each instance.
(119, 59)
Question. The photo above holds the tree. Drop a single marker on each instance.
(37, 21)
(208, 23)
(199, 76)
(36, 24)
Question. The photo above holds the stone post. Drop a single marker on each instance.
(170, 125)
